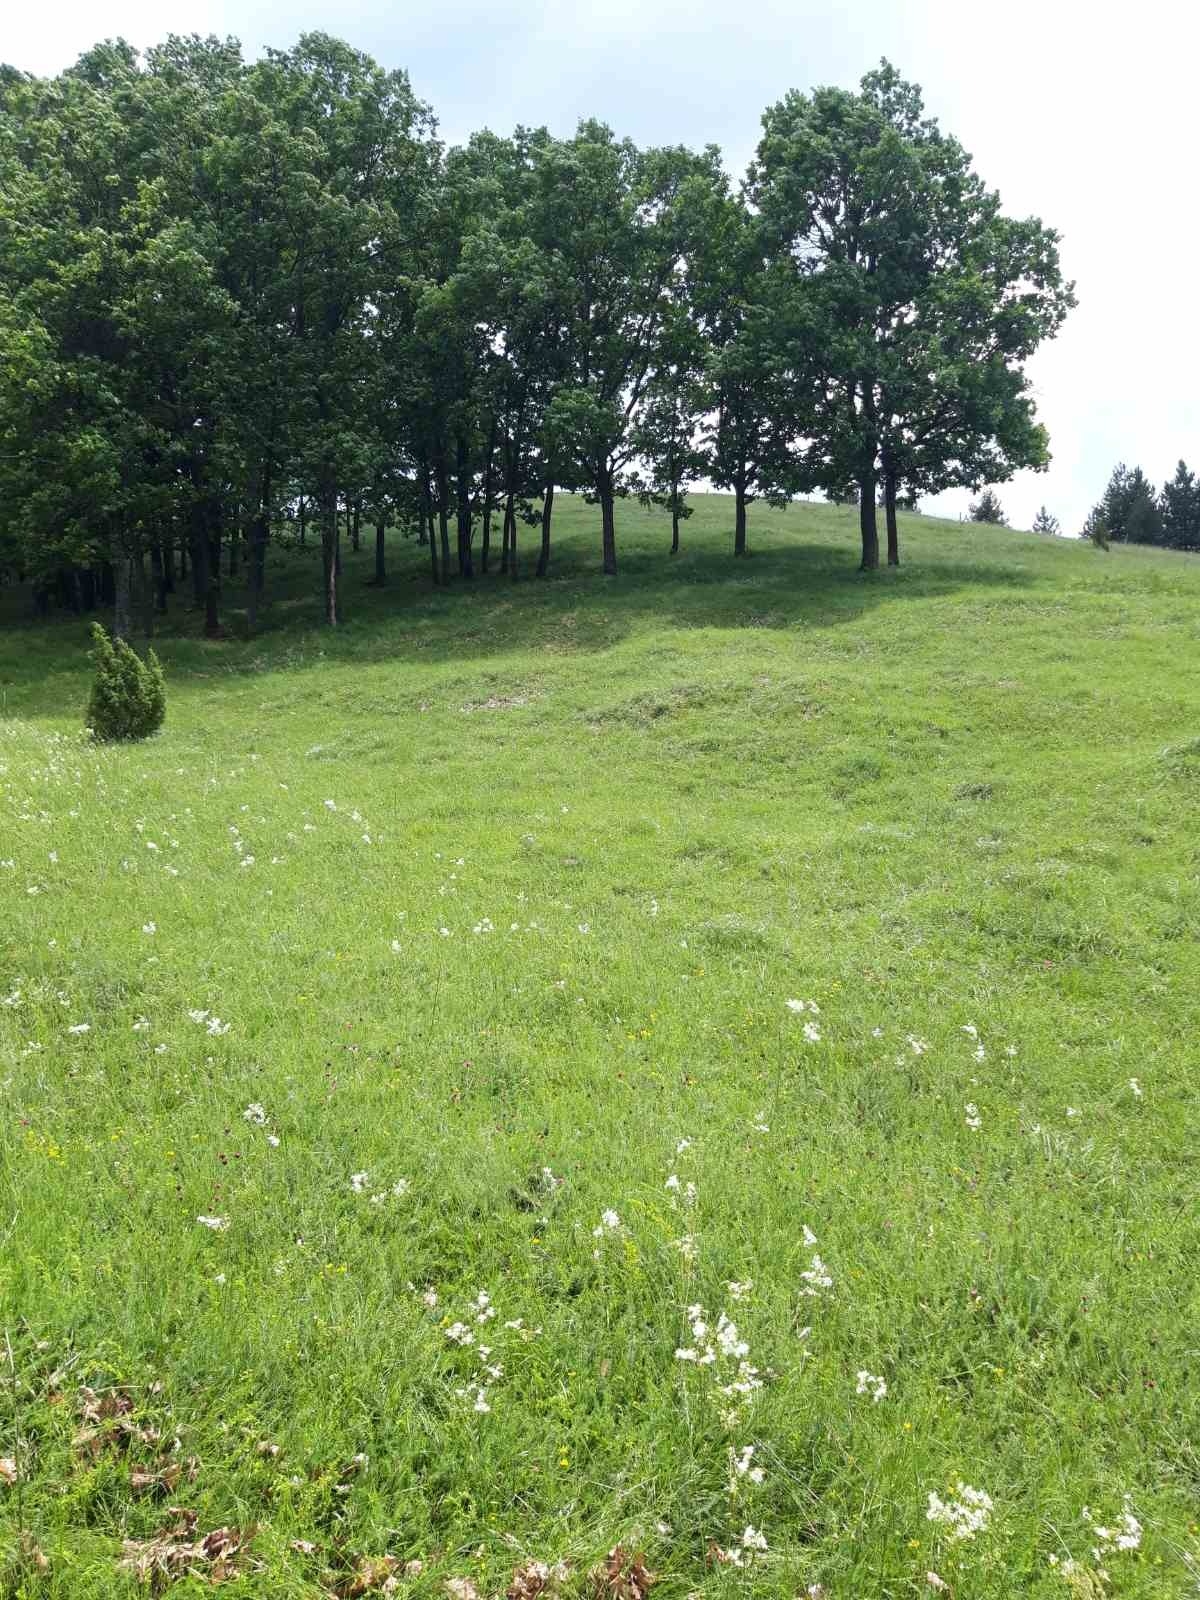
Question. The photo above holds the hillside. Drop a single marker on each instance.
(388, 1006)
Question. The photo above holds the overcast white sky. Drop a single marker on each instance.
(1081, 113)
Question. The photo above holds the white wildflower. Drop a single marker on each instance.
(217, 1224)
(256, 1114)
(358, 1182)
(966, 1513)
(1138, 1091)
(868, 1383)
(974, 1120)
(149, 927)
(816, 1278)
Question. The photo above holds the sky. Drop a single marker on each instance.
(1077, 111)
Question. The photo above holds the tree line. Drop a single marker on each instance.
(1130, 511)
(242, 297)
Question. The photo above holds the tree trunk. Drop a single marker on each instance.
(543, 565)
(442, 483)
(506, 537)
(183, 558)
(463, 495)
(260, 532)
(608, 526)
(674, 527)
(212, 592)
(167, 556)
(444, 536)
(889, 509)
(158, 575)
(122, 595)
(427, 521)
(234, 536)
(330, 542)
(486, 543)
(867, 522)
(355, 528)
(380, 552)
(303, 513)
(146, 593)
(199, 553)
(422, 535)
(739, 519)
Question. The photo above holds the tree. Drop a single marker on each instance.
(919, 300)
(1179, 508)
(1129, 508)
(988, 509)
(737, 297)
(619, 226)
(1045, 523)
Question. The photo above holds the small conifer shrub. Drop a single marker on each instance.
(129, 696)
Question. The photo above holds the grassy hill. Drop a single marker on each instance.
(443, 964)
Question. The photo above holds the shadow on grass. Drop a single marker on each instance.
(790, 580)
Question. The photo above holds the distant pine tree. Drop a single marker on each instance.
(1045, 523)
(1179, 508)
(988, 509)
(1143, 519)
(1130, 507)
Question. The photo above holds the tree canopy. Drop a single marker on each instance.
(242, 299)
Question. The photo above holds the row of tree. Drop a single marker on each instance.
(237, 294)
(1130, 511)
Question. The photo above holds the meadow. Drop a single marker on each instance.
(675, 1083)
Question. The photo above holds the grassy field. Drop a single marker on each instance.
(417, 1163)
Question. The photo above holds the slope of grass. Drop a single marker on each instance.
(444, 962)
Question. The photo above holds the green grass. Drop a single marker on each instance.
(646, 813)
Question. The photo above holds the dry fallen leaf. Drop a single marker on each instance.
(533, 1578)
(8, 1470)
(622, 1576)
(461, 1589)
(175, 1552)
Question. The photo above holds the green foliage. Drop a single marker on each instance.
(988, 509)
(1179, 506)
(1129, 508)
(129, 697)
(1045, 522)
(1096, 528)
(286, 288)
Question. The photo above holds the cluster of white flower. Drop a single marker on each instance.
(608, 1226)
(741, 1465)
(868, 1383)
(817, 1279)
(812, 1032)
(965, 1513)
(360, 1183)
(462, 1333)
(1126, 1534)
(212, 1025)
(973, 1119)
(719, 1347)
(752, 1543)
